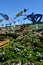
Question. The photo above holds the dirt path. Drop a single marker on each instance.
(4, 42)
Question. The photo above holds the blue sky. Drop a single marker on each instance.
(11, 7)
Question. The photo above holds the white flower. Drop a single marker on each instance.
(30, 55)
(3, 52)
(38, 54)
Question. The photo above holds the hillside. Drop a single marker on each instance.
(25, 48)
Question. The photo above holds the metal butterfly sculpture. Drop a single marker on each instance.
(35, 18)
